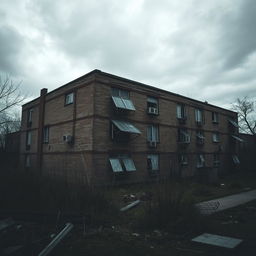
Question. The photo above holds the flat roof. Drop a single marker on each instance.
(97, 71)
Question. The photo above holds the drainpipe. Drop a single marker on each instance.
(40, 128)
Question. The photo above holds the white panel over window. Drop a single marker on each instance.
(129, 165)
(121, 99)
(116, 165)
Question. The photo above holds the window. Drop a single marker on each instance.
(183, 159)
(121, 130)
(180, 111)
(152, 106)
(153, 133)
(28, 140)
(46, 134)
(199, 116)
(153, 162)
(216, 137)
(29, 113)
(235, 159)
(122, 163)
(69, 98)
(216, 160)
(215, 117)
(121, 99)
(233, 123)
(200, 137)
(183, 136)
(200, 161)
(27, 161)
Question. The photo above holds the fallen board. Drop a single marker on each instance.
(222, 241)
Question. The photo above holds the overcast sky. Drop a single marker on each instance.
(200, 49)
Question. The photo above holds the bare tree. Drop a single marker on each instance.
(246, 114)
(10, 97)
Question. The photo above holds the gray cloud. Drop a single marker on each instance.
(202, 50)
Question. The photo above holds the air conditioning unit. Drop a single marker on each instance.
(152, 110)
(68, 139)
(152, 144)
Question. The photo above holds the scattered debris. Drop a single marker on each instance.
(128, 198)
(208, 207)
(56, 240)
(129, 206)
(229, 222)
(157, 233)
(135, 234)
(222, 241)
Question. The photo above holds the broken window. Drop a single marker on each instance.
(28, 140)
(216, 137)
(180, 111)
(215, 117)
(200, 161)
(152, 106)
(153, 162)
(216, 160)
(46, 134)
(199, 116)
(183, 136)
(183, 159)
(29, 120)
(121, 99)
(235, 159)
(200, 137)
(69, 98)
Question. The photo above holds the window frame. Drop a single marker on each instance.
(181, 114)
(216, 137)
(150, 163)
(154, 128)
(215, 117)
(29, 117)
(67, 96)
(28, 140)
(197, 111)
(183, 133)
(152, 102)
(216, 160)
(183, 159)
(201, 163)
(46, 134)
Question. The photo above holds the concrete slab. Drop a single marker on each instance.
(222, 241)
(226, 202)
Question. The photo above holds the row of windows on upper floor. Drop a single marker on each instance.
(120, 132)
(121, 100)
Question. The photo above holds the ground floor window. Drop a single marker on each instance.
(183, 159)
(216, 160)
(153, 162)
(200, 161)
(122, 163)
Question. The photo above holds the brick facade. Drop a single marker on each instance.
(88, 119)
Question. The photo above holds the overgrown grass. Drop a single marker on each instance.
(27, 191)
(171, 209)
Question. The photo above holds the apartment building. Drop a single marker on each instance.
(104, 129)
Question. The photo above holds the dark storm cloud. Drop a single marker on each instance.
(11, 44)
(204, 50)
(239, 34)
